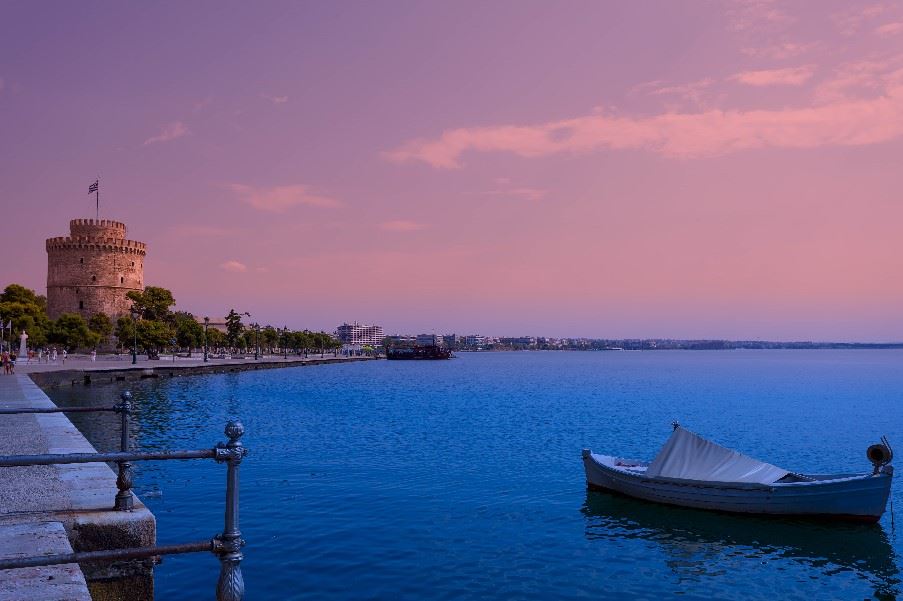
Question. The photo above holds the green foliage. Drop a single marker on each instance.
(234, 327)
(215, 338)
(188, 332)
(153, 304)
(154, 335)
(71, 332)
(125, 331)
(101, 324)
(27, 311)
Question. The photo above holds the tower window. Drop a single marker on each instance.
(82, 260)
(121, 280)
(133, 263)
(93, 278)
(81, 304)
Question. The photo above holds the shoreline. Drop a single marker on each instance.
(80, 371)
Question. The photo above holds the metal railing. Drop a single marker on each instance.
(226, 545)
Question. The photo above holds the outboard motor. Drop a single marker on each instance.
(880, 455)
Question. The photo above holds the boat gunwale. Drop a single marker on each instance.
(721, 485)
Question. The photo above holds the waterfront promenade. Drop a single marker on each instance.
(55, 509)
(79, 369)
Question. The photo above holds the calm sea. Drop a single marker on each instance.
(462, 479)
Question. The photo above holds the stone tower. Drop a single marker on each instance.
(91, 270)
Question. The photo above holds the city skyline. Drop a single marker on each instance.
(691, 171)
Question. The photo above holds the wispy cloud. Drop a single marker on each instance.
(504, 188)
(234, 266)
(170, 131)
(274, 99)
(840, 122)
(401, 225)
(778, 51)
(791, 76)
(750, 15)
(280, 198)
(693, 92)
(850, 21)
(889, 29)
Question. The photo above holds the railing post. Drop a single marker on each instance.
(231, 585)
(125, 500)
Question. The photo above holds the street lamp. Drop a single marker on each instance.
(206, 323)
(285, 342)
(135, 332)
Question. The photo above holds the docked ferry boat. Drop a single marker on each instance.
(428, 353)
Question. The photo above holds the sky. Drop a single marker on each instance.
(602, 169)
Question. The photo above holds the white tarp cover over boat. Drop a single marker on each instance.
(692, 457)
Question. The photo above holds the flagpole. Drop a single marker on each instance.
(98, 197)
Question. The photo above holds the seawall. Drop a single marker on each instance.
(56, 376)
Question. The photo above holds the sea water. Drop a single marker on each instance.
(463, 479)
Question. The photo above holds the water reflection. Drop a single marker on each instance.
(700, 544)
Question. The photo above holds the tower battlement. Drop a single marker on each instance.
(91, 270)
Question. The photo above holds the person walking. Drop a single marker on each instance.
(65, 354)
(93, 355)
(5, 360)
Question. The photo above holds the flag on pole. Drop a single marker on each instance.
(93, 187)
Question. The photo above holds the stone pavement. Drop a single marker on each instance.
(55, 509)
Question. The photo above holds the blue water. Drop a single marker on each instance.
(463, 479)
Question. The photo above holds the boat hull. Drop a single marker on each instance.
(848, 497)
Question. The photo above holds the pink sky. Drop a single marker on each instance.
(650, 169)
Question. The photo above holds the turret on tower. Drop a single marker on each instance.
(91, 270)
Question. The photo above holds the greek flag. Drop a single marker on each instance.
(93, 187)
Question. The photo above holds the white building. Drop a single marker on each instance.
(360, 334)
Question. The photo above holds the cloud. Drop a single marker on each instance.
(856, 80)
(401, 225)
(279, 198)
(234, 266)
(754, 15)
(778, 51)
(275, 99)
(791, 76)
(890, 28)
(841, 122)
(693, 92)
(171, 131)
(849, 22)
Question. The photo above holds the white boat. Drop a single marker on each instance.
(691, 471)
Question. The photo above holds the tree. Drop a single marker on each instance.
(27, 311)
(125, 331)
(153, 335)
(189, 333)
(234, 327)
(215, 338)
(71, 331)
(102, 325)
(153, 304)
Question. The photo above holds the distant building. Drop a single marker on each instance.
(474, 340)
(360, 334)
(451, 340)
(519, 341)
(429, 340)
(402, 340)
(216, 323)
